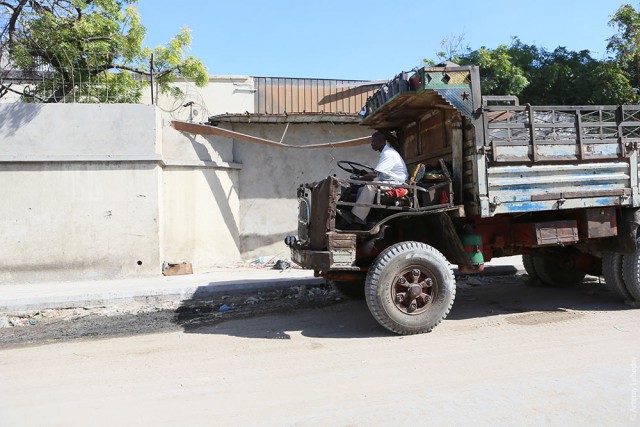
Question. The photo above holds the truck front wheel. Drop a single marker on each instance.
(410, 288)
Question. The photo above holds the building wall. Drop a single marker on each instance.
(110, 191)
(271, 175)
(200, 201)
(80, 191)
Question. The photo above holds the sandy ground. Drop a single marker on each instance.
(507, 354)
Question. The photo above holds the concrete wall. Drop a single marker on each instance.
(271, 175)
(245, 193)
(200, 200)
(79, 190)
(107, 191)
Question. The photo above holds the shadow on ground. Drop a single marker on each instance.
(318, 311)
(323, 316)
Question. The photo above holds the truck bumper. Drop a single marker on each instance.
(324, 261)
(313, 260)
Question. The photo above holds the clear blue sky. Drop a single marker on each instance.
(366, 39)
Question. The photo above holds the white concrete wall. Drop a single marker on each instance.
(200, 200)
(108, 191)
(79, 190)
(271, 175)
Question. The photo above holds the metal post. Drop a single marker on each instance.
(151, 70)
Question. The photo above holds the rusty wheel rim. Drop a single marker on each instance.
(413, 290)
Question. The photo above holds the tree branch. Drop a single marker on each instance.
(6, 89)
(60, 93)
(14, 18)
(126, 68)
(169, 71)
(97, 39)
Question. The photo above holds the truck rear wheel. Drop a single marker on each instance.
(553, 272)
(352, 288)
(410, 288)
(534, 279)
(631, 273)
(612, 272)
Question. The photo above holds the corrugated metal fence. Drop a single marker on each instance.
(277, 95)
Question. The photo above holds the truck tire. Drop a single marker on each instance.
(631, 273)
(612, 272)
(534, 279)
(553, 273)
(351, 289)
(410, 288)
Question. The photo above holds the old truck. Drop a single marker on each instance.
(489, 178)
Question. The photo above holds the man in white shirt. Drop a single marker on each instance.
(390, 168)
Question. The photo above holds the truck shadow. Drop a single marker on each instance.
(508, 298)
(504, 296)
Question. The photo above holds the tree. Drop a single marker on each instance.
(499, 74)
(625, 44)
(88, 51)
(541, 77)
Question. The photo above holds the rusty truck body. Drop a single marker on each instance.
(490, 178)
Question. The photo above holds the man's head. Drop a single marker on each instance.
(378, 141)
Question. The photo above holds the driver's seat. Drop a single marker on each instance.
(393, 195)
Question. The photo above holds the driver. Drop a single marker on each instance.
(390, 168)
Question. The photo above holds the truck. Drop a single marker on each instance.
(488, 178)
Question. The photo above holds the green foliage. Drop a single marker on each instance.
(625, 44)
(559, 77)
(611, 85)
(90, 50)
(498, 72)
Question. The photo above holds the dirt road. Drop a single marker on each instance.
(507, 354)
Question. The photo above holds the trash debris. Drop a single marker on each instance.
(263, 261)
(32, 322)
(169, 269)
(4, 322)
(17, 321)
(252, 300)
(224, 307)
(282, 264)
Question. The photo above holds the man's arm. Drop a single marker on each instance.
(370, 176)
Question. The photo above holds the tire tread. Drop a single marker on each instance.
(612, 265)
(631, 274)
(376, 270)
(544, 271)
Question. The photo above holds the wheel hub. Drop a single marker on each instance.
(413, 290)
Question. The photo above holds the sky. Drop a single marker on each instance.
(368, 40)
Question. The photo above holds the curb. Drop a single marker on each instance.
(185, 293)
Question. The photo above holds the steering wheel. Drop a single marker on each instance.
(354, 168)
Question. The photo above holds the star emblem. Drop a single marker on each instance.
(465, 96)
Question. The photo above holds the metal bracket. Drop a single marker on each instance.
(485, 150)
(494, 204)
